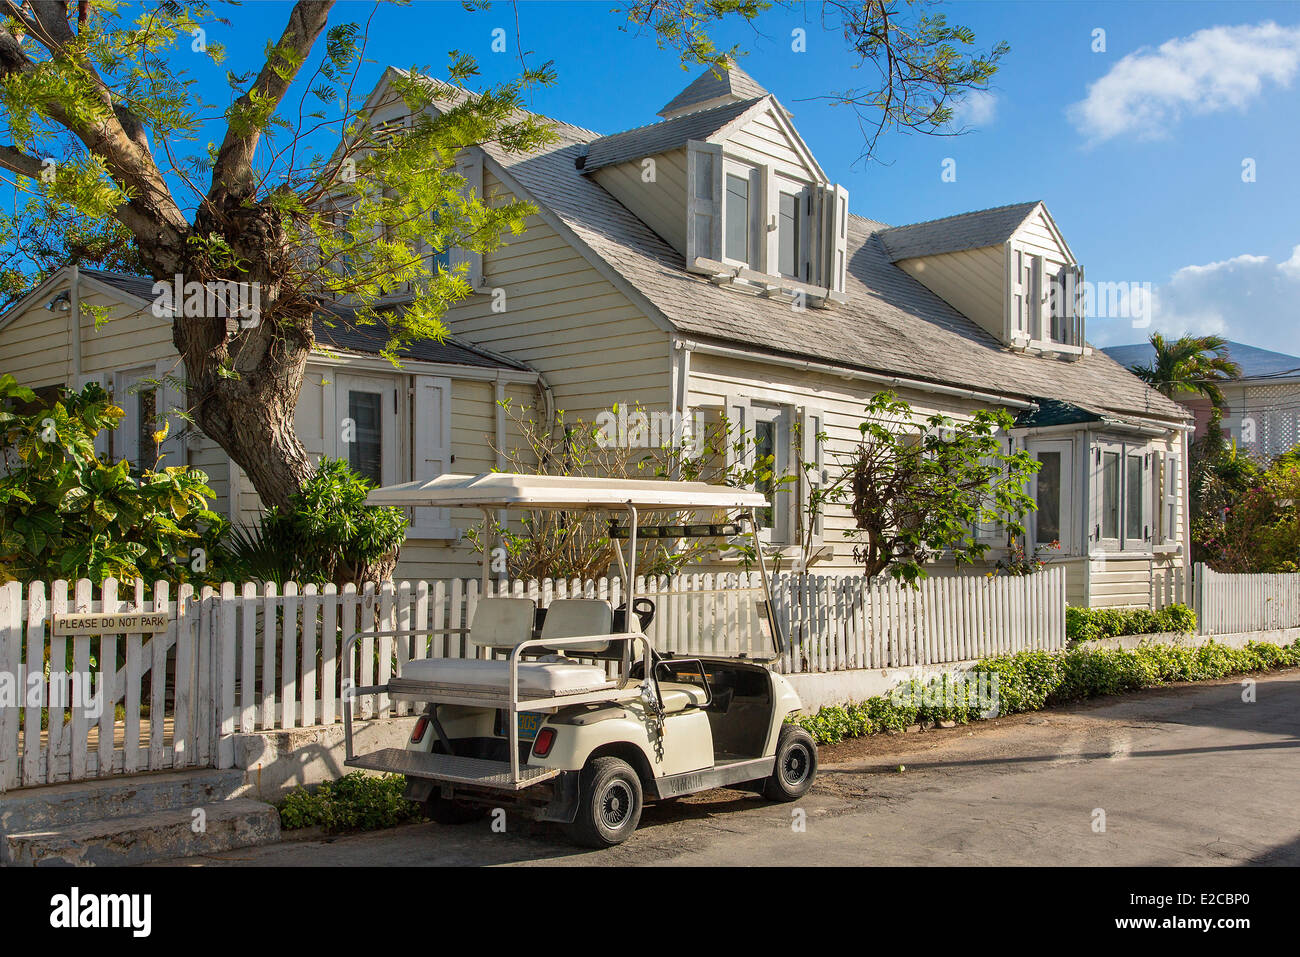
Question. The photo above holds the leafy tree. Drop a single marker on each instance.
(1246, 514)
(64, 513)
(919, 486)
(1191, 365)
(300, 193)
(558, 544)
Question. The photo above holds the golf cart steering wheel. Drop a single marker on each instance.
(645, 612)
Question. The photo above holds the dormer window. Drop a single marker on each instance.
(751, 226)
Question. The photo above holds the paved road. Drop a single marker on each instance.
(1188, 775)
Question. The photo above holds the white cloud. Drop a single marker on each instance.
(1248, 298)
(976, 108)
(1219, 68)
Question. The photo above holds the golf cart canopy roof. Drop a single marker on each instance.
(511, 490)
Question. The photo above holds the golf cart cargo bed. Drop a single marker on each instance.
(483, 696)
(451, 769)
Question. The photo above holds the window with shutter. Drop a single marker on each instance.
(1169, 510)
(703, 201)
(431, 429)
(470, 168)
(812, 428)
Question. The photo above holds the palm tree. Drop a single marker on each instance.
(1192, 364)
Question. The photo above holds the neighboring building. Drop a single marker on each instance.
(1263, 414)
(706, 264)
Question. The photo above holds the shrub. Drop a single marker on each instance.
(64, 513)
(355, 802)
(1087, 624)
(327, 534)
(1031, 680)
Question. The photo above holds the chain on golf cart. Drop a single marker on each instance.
(656, 714)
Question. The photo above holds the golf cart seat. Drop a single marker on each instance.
(680, 695)
(501, 623)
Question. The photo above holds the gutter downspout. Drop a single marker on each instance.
(807, 365)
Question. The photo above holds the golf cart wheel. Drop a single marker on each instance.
(609, 804)
(796, 765)
(442, 811)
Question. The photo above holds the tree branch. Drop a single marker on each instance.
(235, 158)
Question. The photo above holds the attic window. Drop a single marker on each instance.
(787, 235)
(738, 216)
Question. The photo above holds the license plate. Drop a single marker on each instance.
(529, 723)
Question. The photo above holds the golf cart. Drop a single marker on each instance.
(569, 713)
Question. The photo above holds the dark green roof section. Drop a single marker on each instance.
(1054, 412)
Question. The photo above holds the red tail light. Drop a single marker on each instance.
(544, 742)
(421, 725)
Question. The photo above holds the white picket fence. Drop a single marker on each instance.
(257, 658)
(1231, 604)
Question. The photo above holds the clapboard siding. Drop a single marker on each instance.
(567, 320)
(661, 203)
(761, 140)
(970, 281)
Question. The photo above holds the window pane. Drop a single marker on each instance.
(364, 452)
(765, 447)
(1110, 495)
(788, 236)
(1049, 499)
(146, 456)
(737, 219)
(1133, 500)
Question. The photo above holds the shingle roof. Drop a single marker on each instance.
(661, 137)
(336, 329)
(984, 227)
(733, 82)
(890, 323)
(1255, 362)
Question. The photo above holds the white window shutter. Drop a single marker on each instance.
(1150, 479)
(1078, 308)
(471, 168)
(170, 398)
(431, 428)
(740, 424)
(839, 245)
(812, 424)
(1169, 500)
(102, 440)
(703, 201)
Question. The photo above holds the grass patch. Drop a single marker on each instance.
(355, 802)
(1032, 680)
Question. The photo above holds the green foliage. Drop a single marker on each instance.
(354, 802)
(1033, 680)
(327, 534)
(1087, 624)
(64, 513)
(1192, 365)
(1245, 513)
(922, 485)
(554, 544)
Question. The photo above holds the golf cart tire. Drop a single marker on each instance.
(442, 811)
(796, 765)
(609, 804)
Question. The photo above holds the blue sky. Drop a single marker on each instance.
(1137, 150)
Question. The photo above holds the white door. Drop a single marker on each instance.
(367, 430)
(1052, 489)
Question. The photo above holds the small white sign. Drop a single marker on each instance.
(148, 623)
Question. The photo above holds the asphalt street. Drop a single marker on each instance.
(1190, 775)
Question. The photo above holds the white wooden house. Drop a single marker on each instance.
(705, 262)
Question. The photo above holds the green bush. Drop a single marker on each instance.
(1087, 624)
(328, 534)
(64, 513)
(355, 802)
(1032, 680)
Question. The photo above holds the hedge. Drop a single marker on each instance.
(1087, 624)
(1032, 680)
(354, 802)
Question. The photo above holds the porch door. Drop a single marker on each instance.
(367, 407)
(1053, 490)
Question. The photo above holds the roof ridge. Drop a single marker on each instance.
(731, 105)
(969, 212)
